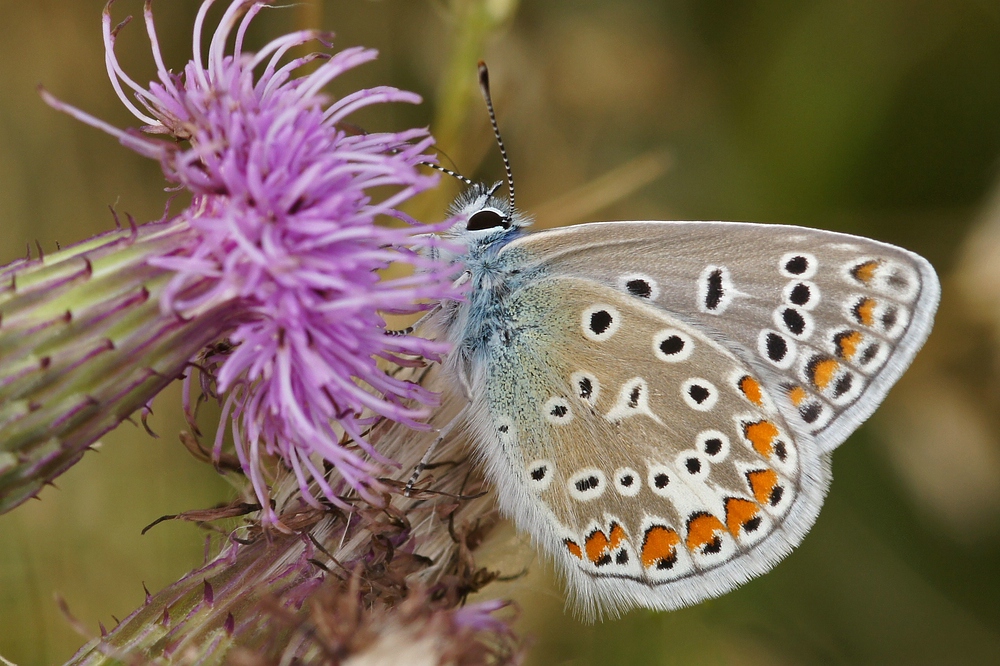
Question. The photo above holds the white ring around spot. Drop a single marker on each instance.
(701, 442)
(726, 285)
(814, 294)
(505, 430)
(553, 407)
(654, 289)
(703, 464)
(633, 488)
(654, 471)
(807, 321)
(883, 281)
(709, 401)
(585, 322)
(587, 494)
(791, 349)
(687, 345)
(595, 386)
(811, 265)
(538, 485)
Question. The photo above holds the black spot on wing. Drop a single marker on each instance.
(776, 495)
(800, 294)
(889, 318)
(672, 345)
(639, 287)
(715, 290)
(810, 412)
(777, 347)
(898, 281)
(713, 446)
(794, 321)
(797, 265)
(780, 451)
(699, 393)
(870, 352)
(843, 385)
(600, 321)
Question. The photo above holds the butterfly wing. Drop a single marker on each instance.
(830, 321)
(646, 457)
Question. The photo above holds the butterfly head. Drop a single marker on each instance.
(480, 215)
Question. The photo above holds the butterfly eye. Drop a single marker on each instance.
(488, 218)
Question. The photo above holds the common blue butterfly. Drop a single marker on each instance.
(656, 403)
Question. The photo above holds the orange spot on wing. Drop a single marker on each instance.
(596, 545)
(617, 536)
(599, 545)
(762, 483)
(751, 389)
(702, 529)
(761, 435)
(738, 513)
(823, 371)
(847, 344)
(864, 311)
(866, 271)
(574, 549)
(797, 395)
(659, 545)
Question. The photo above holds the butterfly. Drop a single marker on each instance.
(656, 403)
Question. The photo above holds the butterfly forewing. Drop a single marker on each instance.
(650, 459)
(828, 321)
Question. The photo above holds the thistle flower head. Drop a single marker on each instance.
(284, 222)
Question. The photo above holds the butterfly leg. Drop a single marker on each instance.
(410, 329)
(428, 454)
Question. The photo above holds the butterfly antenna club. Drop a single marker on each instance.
(484, 85)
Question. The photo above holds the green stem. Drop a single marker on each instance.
(473, 23)
(83, 345)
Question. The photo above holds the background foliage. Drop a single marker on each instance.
(876, 117)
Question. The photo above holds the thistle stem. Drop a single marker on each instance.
(84, 345)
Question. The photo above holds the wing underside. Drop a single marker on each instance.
(829, 321)
(648, 458)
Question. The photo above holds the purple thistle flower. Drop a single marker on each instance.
(284, 228)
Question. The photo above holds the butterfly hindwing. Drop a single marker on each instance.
(830, 321)
(649, 460)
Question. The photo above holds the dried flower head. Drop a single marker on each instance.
(400, 584)
(284, 227)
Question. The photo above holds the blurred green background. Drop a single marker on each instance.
(876, 117)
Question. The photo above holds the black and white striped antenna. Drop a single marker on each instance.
(484, 85)
(453, 174)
